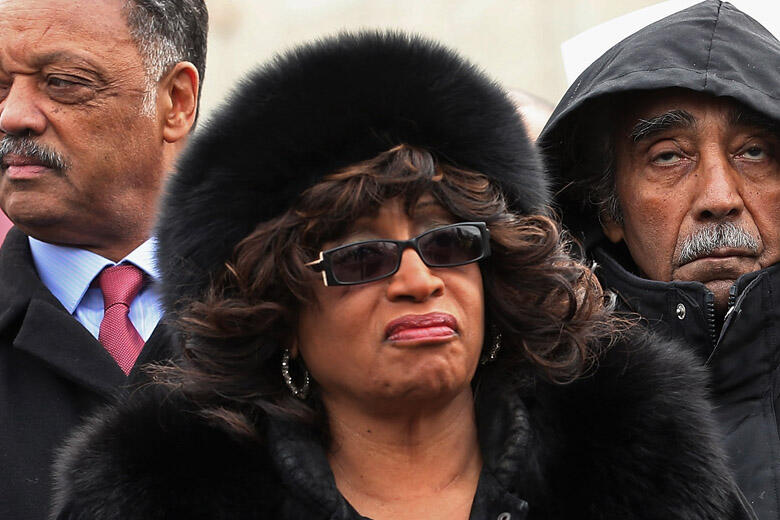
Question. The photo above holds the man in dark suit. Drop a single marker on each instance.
(97, 99)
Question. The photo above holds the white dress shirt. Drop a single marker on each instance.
(68, 273)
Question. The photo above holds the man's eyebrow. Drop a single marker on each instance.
(652, 125)
(743, 116)
(70, 58)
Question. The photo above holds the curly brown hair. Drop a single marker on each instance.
(547, 305)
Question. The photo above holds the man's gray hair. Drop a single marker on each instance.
(167, 32)
(603, 195)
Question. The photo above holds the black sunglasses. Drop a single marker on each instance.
(371, 260)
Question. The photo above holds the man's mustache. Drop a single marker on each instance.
(723, 235)
(28, 148)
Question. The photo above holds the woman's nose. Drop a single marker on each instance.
(414, 280)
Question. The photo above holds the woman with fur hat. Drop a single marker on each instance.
(377, 320)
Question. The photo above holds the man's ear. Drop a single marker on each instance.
(613, 230)
(179, 101)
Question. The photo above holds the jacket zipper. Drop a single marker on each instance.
(732, 298)
(711, 317)
(711, 321)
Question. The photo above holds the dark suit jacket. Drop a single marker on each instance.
(53, 372)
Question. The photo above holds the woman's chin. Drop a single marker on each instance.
(431, 386)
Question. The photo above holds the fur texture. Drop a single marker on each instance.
(319, 108)
(634, 440)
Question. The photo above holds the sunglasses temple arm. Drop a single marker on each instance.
(319, 266)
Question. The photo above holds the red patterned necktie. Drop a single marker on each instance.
(120, 284)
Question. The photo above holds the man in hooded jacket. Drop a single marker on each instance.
(666, 151)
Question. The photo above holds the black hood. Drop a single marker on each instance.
(317, 109)
(711, 47)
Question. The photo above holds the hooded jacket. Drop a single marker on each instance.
(633, 440)
(715, 49)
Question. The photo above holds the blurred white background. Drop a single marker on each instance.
(515, 41)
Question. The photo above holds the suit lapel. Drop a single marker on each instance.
(41, 327)
(51, 334)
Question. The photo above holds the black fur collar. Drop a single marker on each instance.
(634, 440)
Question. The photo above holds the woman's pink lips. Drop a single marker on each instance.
(421, 326)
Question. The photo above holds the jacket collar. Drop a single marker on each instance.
(18, 279)
(683, 309)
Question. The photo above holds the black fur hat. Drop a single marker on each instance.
(321, 107)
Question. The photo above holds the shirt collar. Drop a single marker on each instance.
(68, 271)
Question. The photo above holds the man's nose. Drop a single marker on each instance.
(414, 280)
(19, 110)
(719, 196)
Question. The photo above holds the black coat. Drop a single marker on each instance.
(715, 49)
(743, 358)
(53, 372)
(633, 441)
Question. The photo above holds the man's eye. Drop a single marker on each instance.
(59, 82)
(755, 153)
(69, 89)
(666, 158)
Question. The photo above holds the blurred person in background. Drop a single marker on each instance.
(666, 151)
(534, 110)
(377, 320)
(96, 100)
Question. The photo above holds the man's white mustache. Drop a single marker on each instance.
(26, 147)
(724, 235)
